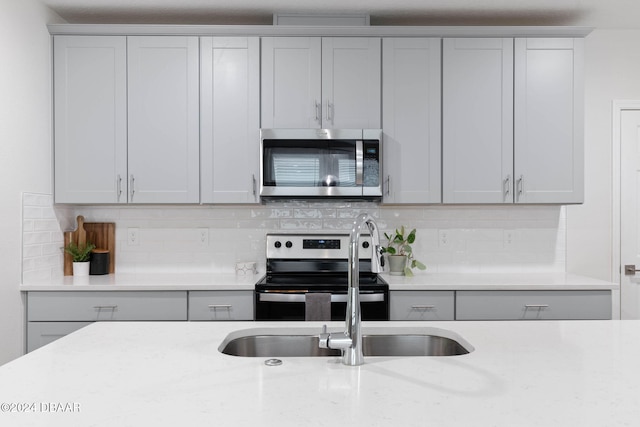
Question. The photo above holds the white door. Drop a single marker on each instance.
(229, 119)
(291, 91)
(629, 212)
(90, 139)
(164, 134)
(351, 79)
(477, 120)
(411, 120)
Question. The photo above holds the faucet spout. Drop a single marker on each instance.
(351, 341)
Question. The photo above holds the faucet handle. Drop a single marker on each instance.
(323, 338)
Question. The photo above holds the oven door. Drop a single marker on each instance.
(282, 305)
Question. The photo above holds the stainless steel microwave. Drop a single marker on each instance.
(309, 163)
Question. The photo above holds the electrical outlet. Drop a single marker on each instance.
(203, 237)
(444, 238)
(507, 238)
(132, 237)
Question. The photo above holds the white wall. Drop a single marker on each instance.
(25, 146)
(612, 64)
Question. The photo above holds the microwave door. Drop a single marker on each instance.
(322, 168)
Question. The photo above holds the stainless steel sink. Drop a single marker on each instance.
(301, 342)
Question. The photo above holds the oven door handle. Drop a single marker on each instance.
(284, 297)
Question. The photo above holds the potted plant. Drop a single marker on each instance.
(400, 254)
(80, 255)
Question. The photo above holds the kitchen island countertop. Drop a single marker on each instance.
(421, 281)
(559, 373)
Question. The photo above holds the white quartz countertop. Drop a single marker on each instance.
(542, 373)
(421, 281)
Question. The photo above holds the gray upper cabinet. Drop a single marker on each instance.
(176, 119)
(549, 120)
(313, 82)
(163, 112)
(411, 120)
(477, 102)
(90, 119)
(229, 119)
(291, 86)
(126, 115)
(513, 120)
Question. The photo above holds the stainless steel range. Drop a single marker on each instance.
(306, 279)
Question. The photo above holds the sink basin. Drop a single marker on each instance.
(303, 342)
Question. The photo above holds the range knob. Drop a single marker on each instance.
(277, 244)
(288, 244)
(365, 244)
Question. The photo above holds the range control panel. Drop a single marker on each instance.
(314, 246)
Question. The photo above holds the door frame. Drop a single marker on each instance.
(618, 106)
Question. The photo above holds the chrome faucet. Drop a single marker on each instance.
(350, 342)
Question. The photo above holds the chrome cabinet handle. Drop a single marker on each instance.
(520, 185)
(507, 186)
(119, 187)
(219, 306)
(105, 307)
(423, 307)
(329, 112)
(318, 110)
(254, 186)
(132, 190)
(538, 306)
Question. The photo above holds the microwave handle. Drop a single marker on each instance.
(359, 162)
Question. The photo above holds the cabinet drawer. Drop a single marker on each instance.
(421, 305)
(94, 306)
(533, 305)
(221, 305)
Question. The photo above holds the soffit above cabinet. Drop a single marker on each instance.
(338, 31)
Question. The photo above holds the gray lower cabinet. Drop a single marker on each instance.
(221, 305)
(52, 315)
(421, 305)
(533, 305)
(43, 333)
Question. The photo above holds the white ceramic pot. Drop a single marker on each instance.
(397, 264)
(81, 268)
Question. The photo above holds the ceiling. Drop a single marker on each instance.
(593, 13)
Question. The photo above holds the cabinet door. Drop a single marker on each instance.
(477, 134)
(42, 333)
(163, 119)
(229, 119)
(291, 91)
(90, 103)
(351, 82)
(549, 120)
(411, 120)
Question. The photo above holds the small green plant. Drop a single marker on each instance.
(79, 253)
(399, 243)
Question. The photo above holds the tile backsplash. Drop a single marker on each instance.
(214, 238)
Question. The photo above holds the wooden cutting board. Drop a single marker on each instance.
(101, 234)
